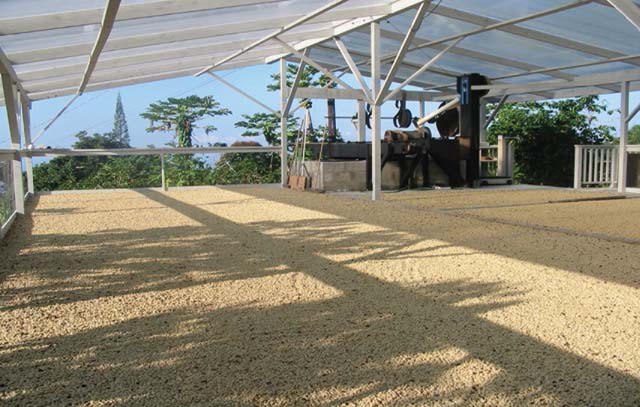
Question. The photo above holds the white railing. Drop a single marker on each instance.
(595, 166)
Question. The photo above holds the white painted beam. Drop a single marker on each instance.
(629, 10)
(449, 105)
(582, 81)
(55, 152)
(422, 69)
(404, 46)
(354, 24)
(284, 114)
(25, 108)
(159, 34)
(624, 137)
(275, 34)
(634, 112)
(294, 87)
(495, 111)
(314, 64)
(7, 68)
(130, 11)
(10, 97)
(353, 67)
(361, 125)
(108, 18)
(528, 33)
(376, 124)
(243, 93)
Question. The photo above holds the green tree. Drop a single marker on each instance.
(634, 135)
(545, 133)
(268, 126)
(181, 115)
(120, 132)
(96, 172)
(247, 168)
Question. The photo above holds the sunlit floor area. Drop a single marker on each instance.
(268, 297)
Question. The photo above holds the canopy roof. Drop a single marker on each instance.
(534, 48)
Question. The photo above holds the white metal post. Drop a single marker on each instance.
(502, 156)
(577, 167)
(421, 107)
(362, 130)
(26, 131)
(10, 101)
(162, 173)
(624, 136)
(283, 123)
(376, 133)
(483, 120)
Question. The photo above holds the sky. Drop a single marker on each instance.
(93, 111)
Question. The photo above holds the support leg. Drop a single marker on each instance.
(11, 104)
(362, 128)
(283, 124)
(25, 106)
(376, 131)
(624, 137)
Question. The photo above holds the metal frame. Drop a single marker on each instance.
(274, 35)
(628, 9)
(376, 130)
(13, 111)
(624, 137)
(241, 92)
(406, 42)
(353, 67)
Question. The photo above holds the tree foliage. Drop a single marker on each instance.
(181, 115)
(545, 133)
(246, 168)
(268, 126)
(120, 130)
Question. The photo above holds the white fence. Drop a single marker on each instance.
(7, 201)
(596, 166)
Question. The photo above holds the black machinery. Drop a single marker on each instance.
(456, 153)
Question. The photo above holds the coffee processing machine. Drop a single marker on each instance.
(413, 158)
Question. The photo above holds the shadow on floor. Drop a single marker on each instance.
(375, 342)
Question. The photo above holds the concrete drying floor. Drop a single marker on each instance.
(266, 297)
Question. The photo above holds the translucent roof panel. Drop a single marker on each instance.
(48, 43)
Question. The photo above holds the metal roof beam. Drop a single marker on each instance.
(629, 10)
(527, 32)
(108, 18)
(353, 67)
(160, 36)
(7, 68)
(349, 26)
(137, 56)
(404, 46)
(581, 81)
(314, 64)
(274, 34)
(80, 17)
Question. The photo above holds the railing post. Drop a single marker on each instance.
(162, 173)
(577, 167)
(12, 107)
(503, 154)
(624, 137)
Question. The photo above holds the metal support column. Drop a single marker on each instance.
(483, 120)
(283, 123)
(362, 127)
(376, 131)
(624, 137)
(26, 130)
(162, 173)
(11, 104)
